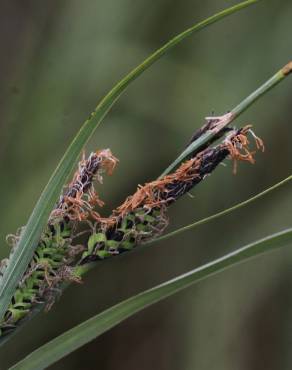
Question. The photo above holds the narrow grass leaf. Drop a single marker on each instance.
(221, 213)
(74, 338)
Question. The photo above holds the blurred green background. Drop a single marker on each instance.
(58, 58)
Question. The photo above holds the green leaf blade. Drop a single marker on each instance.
(221, 213)
(85, 332)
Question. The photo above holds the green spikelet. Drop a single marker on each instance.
(130, 230)
(54, 258)
(43, 271)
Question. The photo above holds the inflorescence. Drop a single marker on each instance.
(142, 217)
(53, 260)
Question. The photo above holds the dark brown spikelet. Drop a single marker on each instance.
(190, 173)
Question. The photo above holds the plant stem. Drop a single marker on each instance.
(268, 85)
(221, 213)
(226, 119)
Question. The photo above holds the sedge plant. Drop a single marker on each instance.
(46, 255)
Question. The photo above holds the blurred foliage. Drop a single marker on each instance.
(57, 60)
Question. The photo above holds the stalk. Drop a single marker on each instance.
(222, 213)
(216, 124)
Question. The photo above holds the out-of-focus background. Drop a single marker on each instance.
(58, 58)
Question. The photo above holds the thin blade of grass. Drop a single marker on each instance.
(221, 213)
(32, 232)
(85, 332)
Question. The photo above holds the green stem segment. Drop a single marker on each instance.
(221, 213)
(226, 119)
(85, 332)
(268, 85)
